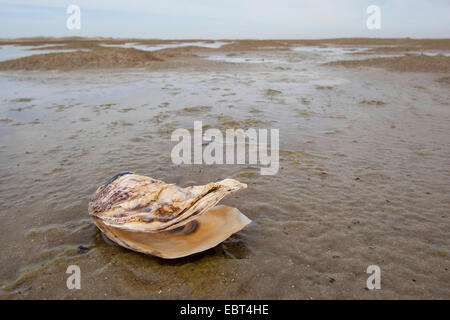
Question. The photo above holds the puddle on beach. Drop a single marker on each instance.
(9, 52)
(214, 44)
(363, 179)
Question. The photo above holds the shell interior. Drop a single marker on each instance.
(207, 231)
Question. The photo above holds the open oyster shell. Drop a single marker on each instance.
(150, 216)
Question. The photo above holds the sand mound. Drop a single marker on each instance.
(97, 58)
(444, 80)
(91, 54)
(407, 63)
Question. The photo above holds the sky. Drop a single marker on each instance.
(225, 19)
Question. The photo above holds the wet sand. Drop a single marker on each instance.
(137, 53)
(363, 180)
(406, 63)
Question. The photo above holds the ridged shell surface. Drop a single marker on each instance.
(133, 202)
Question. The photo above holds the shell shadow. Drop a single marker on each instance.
(232, 248)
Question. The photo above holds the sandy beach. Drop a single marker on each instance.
(364, 174)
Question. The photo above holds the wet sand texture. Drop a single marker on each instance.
(363, 179)
(92, 55)
(98, 58)
(407, 63)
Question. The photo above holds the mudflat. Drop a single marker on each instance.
(99, 53)
(363, 179)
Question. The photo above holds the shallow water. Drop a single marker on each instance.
(9, 52)
(363, 180)
(215, 44)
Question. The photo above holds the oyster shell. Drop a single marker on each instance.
(150, 216)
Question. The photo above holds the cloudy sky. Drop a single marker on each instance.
(177, 19)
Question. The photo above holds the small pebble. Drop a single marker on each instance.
(82, 249)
